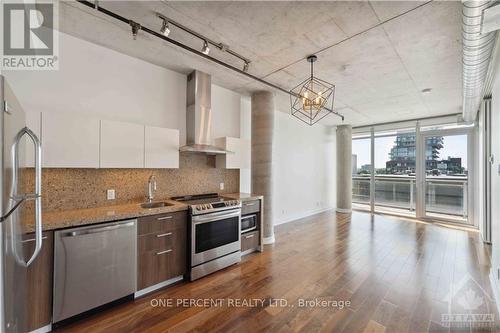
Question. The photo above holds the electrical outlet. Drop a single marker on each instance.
(110, 194)
(221, 186)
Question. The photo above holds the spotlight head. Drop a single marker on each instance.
(205, 49)
(165, 29)
(245, 66)
(135, 28)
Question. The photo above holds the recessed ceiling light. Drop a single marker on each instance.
(426, 90)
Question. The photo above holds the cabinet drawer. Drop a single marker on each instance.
(155, 241)
(250, 240)
(161, 223)
(160, 265)
(249, 207)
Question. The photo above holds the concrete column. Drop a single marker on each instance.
(344, 169)
(262, 156)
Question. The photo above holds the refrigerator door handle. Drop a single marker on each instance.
(36, 196)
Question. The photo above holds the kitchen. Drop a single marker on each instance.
(158, 179)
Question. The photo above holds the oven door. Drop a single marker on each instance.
(215, 235)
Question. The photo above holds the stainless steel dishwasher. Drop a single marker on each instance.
(93, 266)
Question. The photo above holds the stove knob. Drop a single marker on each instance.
(198, 207)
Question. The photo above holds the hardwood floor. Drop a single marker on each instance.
(397, 275)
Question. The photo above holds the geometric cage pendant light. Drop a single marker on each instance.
(312, 99)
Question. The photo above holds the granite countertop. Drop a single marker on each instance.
(80, 217)
(243, 196)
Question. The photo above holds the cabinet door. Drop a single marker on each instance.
(70, 141)
(239, 158)
(39, 278)
(122, 145)
(161, 147)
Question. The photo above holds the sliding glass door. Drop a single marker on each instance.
(394, 156)
(418, 172)
(446, 184)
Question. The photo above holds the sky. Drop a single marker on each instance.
(454, 146)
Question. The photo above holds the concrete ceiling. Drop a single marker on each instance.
(380, 55)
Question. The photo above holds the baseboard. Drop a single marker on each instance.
(43, 329)
(303, 215)
(344, 211)
(269, 240)
(157, 286)
(496, 292)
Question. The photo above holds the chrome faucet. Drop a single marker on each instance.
(151, 188)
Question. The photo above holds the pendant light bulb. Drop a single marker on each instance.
(205, 49)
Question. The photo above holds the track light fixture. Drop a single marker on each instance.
(165, 28)
(245, 66)
(205, 49)
(135, 28)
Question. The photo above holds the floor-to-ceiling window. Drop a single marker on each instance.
(361, 171)
(436, 157)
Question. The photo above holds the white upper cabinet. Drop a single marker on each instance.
(122, 145)
(69, 141)
(161, 147)
(239, 158)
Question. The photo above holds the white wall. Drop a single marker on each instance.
(495, 180)
(304, 167)
(106, 84)
(303, 162)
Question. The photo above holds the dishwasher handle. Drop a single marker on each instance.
(98, 230)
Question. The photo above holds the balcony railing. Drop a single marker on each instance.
(444, 194)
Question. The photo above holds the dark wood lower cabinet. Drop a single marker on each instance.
(250, 240)
(39, 280)
(161, 250)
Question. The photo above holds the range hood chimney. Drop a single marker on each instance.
(199, 115)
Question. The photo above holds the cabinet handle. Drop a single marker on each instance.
(250, 204)
(32, 239)
(163, 235)
(249, 236)
(163, 252)
(164, 218)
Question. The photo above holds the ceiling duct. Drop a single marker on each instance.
(476, 54)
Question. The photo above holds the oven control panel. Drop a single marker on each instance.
(215, 206)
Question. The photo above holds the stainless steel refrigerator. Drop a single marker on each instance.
(20, 202)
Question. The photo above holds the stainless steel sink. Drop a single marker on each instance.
(155, 204)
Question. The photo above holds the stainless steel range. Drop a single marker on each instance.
(214, 234)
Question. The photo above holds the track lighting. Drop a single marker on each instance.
(205, 49)
(165, 29)
(135, 28)
(245, 66)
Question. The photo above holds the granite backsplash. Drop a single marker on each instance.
(86, 188)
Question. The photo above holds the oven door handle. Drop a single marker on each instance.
(200, 219)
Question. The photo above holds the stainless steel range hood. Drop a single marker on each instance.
(199, 115)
